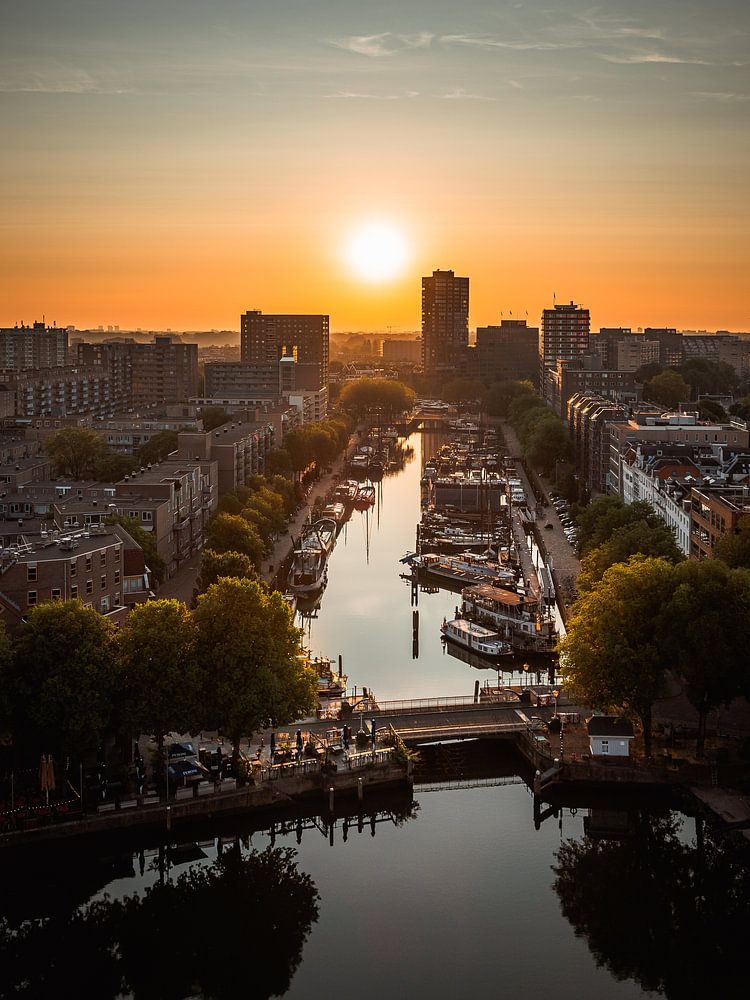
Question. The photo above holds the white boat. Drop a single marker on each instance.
(365, 496)
(325, 529)
(336, 511)
(346, 492)
(476, 638)
(526, 623)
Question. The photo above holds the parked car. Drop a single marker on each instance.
(187, 772)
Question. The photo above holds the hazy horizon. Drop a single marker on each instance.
(172, 162)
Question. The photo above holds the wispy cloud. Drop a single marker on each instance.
(515, 84)
(384, 44)
(491, 42)
(373, 46)
(721, 96)
(59, 81)
(358, 95)
(639, 58)
(459, 94)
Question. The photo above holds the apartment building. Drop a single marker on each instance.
(445, 322)
(103, 567)
(304, 338)
(564, 337)
(38, 346)
(715, 511)
(571, 376)
(239, 450)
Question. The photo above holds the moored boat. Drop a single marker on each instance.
(463, 569)
(365, 497)
(527, 624)
(476, 638)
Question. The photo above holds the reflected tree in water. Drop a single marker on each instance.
(669, 914)
(233, 929)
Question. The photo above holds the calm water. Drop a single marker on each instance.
(454, 894)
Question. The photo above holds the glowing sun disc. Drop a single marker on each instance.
(377, 252)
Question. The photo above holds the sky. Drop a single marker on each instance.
(171, 163)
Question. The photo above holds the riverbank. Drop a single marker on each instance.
(287, 786)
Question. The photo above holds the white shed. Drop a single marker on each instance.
(610, 736)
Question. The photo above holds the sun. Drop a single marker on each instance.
(377, 252)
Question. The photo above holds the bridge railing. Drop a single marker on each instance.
(414, 704)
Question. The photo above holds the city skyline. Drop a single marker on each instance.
(166, 162)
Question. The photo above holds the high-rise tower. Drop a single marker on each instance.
(445, 322)
(564, 337)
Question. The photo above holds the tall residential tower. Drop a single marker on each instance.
(445, 322)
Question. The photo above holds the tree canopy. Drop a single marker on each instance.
(214, 416)
(612, 653)
(668, 389)
(75, 451)
(63, 681)
(247, 639)
(363, 395)
(158, 448)
(599, 520)
(215, 565)
(637, 538)
(734, 547)
(233, 533)
(160, 677)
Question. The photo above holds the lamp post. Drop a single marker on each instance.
(555, 695)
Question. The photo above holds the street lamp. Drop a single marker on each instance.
(555, 695)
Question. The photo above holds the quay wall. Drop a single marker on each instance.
(282, 792)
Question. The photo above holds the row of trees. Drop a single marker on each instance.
(542, 434)
(319, 443)
(231, 664)
(248, 520)
(366, 395)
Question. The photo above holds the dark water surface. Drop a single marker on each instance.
(455, 894)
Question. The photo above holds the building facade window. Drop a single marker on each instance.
(31, 572)
(104, 581)
(74, 592)
(31, 598)
(89, 586)
(56, 594)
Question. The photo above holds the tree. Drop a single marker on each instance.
(498, 398)
(278, 462)
(461, 390)
(159, 447)
(249, 649)
(161, 681)
(709, 635)
(146, 540)
(548, 443)
(638, 538)
(110, 468)
(733, 548)
(741, 409)
(363, 395)
(709, 409)
(213, 417)
(668, 389)
(75, 451)
(232, 533)
(215, 565)
(63, 680)
(708, 376)
(612, 653)
(597, 522)
(646, 372)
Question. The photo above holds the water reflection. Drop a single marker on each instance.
(668, 912)
(233, 928)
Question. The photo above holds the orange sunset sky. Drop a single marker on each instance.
(170, 164)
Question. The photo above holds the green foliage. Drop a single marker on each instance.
(734, 548)
(215, 565)
(461, 390)
(63, 684)
(249, 648)
(612, 653)
(160, 678)
(710, 410)
(741, 409)
(110, 468)
(318, 443)
(158, 448)
(708, 634)
(668, 389)
(597, 522)
(364, 395)
(543, 436)
(278, 462)
(636, 538)
(146, 540)
(646, 372)
(75, 451)
(708, 376)
(232, 533)
(213, 417)
(500, 395)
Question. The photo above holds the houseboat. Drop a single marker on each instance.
(476, 638)
(308, 572)
(365, 497)
(346, 492)
(463, 569)
(527, 623)
(335, 511)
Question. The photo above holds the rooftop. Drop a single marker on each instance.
(610, 725)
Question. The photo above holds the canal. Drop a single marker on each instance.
(456, 894)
